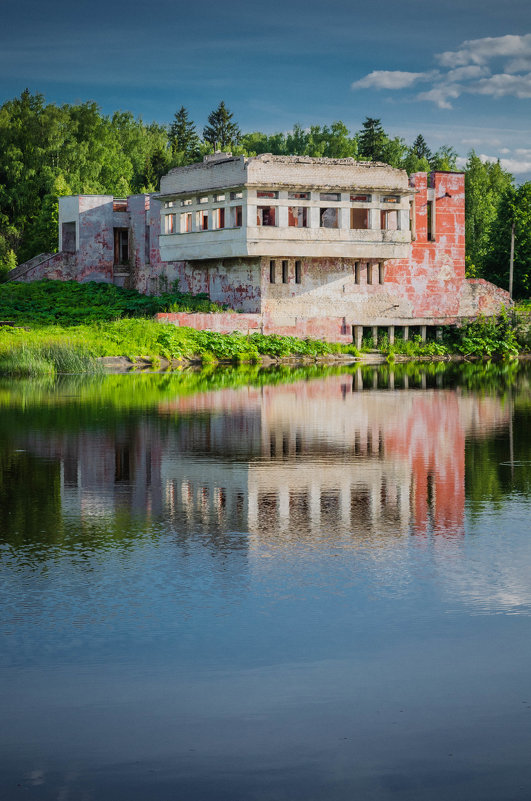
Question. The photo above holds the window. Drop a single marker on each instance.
(219, 198)
(237, 216)
(391, 199)
(218, 218)
(298, 216)
(169, 224)
(203, 199)
(298, 272)
(68, 238)
(265, 215)
(359, 219)
(357, 272)
(236, 195)
(329, 218)
(430, 222)
(121, 246)
(381, 272)
(389, 220)
(330, 196)
(360, 198)
(271, 272)
(202, 220)
(263, 193)
(186, 223)
(299, 195)
(186, 202)
(169, 204)
(284, 272)
(369, 272)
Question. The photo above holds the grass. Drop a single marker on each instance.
(34, 358)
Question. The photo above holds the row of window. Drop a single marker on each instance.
(375, 273)
(273, 195)
(267, 216)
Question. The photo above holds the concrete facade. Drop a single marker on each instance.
(301, 246)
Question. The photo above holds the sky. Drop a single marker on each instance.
(457, 71)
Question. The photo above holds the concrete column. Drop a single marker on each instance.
(438, 333)
(249, 218)
(282, 216)
(358, 335)
(344, 218)
(313, 213)
(374, 219)
(375, 335)
(423, 332)
(403, 219)
(405, 334)
(391, 333)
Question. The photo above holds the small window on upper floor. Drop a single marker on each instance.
(330, 196)
(389, 220)
(272, 271)
(298, 272)
(285, 274)
(299, 195)
(329, 218)
(187, 201)
(266, 193)
(218, 218)
(390, 198)
(202, 199)
(298, 216)
(169, 223)
(202, 220)
(237, 216)
(359, 219)
(219, 198)
(360, 198)
(169, 204)
(265, 215)
(236, 195)
(186, 222)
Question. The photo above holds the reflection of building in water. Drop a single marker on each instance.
(315, 459)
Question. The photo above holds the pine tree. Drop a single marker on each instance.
(221, 132)
(372, 140)
(183, 137)
(420, 148)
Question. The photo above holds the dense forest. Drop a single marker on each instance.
(47, 151)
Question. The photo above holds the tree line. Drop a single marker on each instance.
(48, 150)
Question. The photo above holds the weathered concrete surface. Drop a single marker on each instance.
(222, 323)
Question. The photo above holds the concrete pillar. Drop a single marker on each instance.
(344, 217)
(391, 334)
(438, 333)
(375, 336)
(405, 329)
(423, 332)
(313, 211)
(358, 335)
(282, 221)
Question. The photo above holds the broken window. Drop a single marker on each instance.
(389, 220)
(329, 218)
(121, 245)
(68, 237)
(391, 199)
(219, 198)
(202, 220)
(272, 272)
(119, 204)
(169, 224)
(298, 216)
(359, 219)
(360, 198)
(236, 195)
(265, 215)
(186, 223)
(202, 199)
(169, 204)
(330, 196)
(284, 272)
(298, 272)
(186, 202)
(299, 195)
(237, 216)
(218, 218)
(263, 193)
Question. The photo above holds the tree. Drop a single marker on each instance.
(420, 149)
(183, 137)
(372, 140)
(221, 132)
(514, 209)
(445, 158)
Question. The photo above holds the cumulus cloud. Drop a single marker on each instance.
(390, 79)
(467, 70)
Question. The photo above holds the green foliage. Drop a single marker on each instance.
(183, 138)
(514, 208)
(221, 132)
(72, 303)
(487, 336)
(31, 359)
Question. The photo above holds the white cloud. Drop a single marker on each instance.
(515, 165)
(466, 73)
(480, 51)
(502, 85)
(390, 79)
(441, 95)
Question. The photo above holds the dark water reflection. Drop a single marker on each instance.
(267, 585)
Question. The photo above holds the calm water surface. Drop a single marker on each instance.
(266, 585)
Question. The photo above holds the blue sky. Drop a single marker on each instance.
(457, 71)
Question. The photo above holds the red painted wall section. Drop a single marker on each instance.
(432, 278)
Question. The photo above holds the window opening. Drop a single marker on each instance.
(186, 223)
(203, 199)
(263, 193)
(330, 196)
(298, 195)
(186, 202)
(360, 198)
(121, 246)
(431, 233)
(169, 223)
(329, 218)
(272, 272)
(237, 216)
(68, 238)
(381, 272)
(391, 199)
(298, 272)
(219, 198)
(202, 220)
(218, 218)
(389, 220)
(359, 219)
(265, 215)
(357, 271)
(236, 195)
(369, 273)
(298, 216)
(284, 272)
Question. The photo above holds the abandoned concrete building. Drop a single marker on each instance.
(298, 246)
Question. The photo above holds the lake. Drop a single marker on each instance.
(308, 583)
